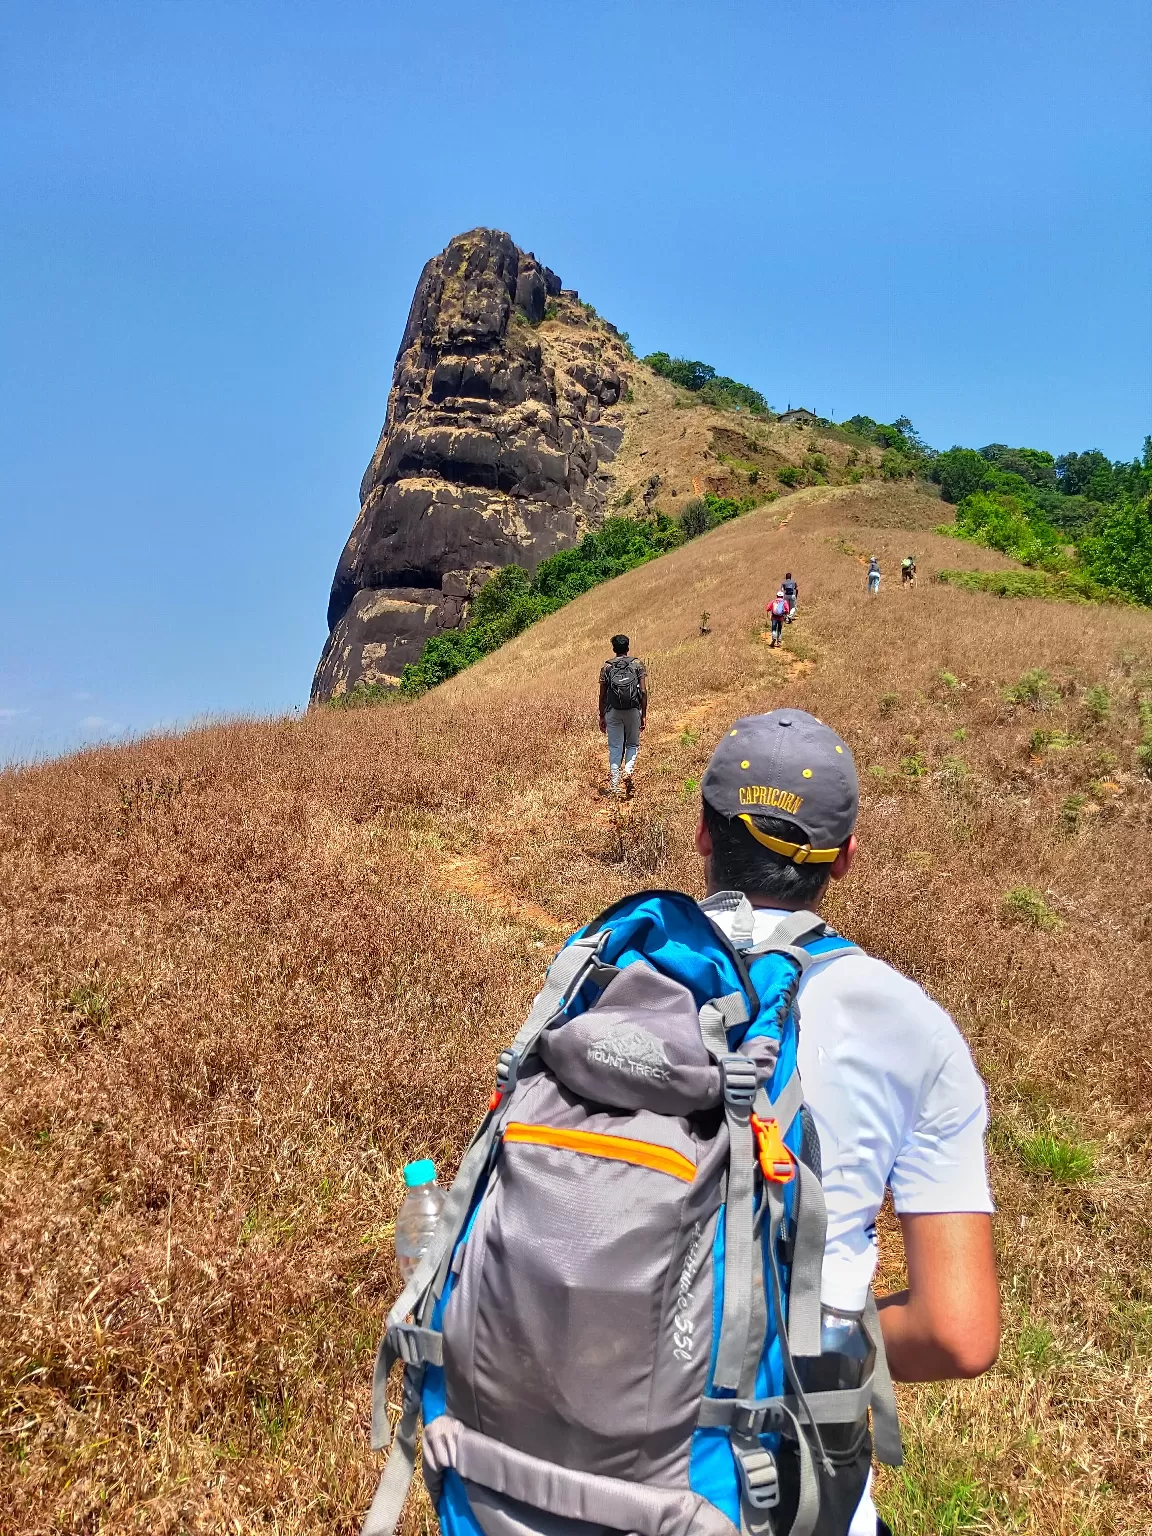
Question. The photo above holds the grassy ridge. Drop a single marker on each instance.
(511, 600)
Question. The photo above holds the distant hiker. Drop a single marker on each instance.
(623, 710)
(778, 611)
(791, 592)
(873, 576)
(646, 1305)
(907, 571)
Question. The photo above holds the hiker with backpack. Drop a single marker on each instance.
(792, 592)
(623, 711)
(646, 1306)
(778, 611)
(873, 576)
(908, 571)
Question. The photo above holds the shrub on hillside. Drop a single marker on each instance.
(1025, 904)
(713, 388)
(899, 436)
(694, 519)
(705, 512)
(896, 466)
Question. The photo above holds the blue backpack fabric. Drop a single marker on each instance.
(658, 1051)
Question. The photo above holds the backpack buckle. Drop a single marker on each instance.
(776, 1162)
(759, 1478)
(739, 1080)
(506, 1064)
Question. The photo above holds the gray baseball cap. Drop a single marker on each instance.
(789, 765)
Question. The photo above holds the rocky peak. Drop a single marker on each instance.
(502, 415)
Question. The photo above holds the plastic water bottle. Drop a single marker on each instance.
(845, 1361)
(418, 1214)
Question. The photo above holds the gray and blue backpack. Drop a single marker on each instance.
(617, 1325)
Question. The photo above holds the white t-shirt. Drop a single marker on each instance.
(897, 1101)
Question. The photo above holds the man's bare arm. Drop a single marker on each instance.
(947, 1323)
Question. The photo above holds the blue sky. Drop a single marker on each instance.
(215, 215)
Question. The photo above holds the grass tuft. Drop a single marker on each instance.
(1065, 1162)
(1035, 1347)
(1025, 904)
(1034, 689)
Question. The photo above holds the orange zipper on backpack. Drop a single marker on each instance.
(621, 1149)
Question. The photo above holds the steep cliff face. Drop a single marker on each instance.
(494, 451)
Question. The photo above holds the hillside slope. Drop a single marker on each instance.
(250, 970)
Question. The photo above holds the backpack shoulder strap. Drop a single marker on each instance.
(795, 933)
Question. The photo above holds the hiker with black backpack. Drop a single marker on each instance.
(623, 711)
(646, 1306)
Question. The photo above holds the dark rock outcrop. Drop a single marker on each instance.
(492, 453)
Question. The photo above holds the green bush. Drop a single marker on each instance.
(694, 518)
(701, 379)
(1054, 586)
(895, 466)
(789, 474)
(362, 696)
(1034, 689)
(1071, 810)
(705, 512)
(1117, 552)
(1144, 750)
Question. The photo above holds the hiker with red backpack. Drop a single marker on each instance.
(778, 611)
(646, 1305)
(623, 709)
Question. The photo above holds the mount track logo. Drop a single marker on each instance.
(628, 1048)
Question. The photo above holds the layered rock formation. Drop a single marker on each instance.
(493, 452)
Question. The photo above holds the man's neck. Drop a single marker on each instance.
(775, 903)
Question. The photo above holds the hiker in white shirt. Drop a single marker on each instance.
(887, 1075)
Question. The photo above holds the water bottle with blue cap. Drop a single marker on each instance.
(418, 1214)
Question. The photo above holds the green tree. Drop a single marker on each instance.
(1118, 551)
(959, 472)
(1030, 464)
(682, 371)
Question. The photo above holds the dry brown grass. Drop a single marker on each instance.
(249, 971)
(694, 448)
